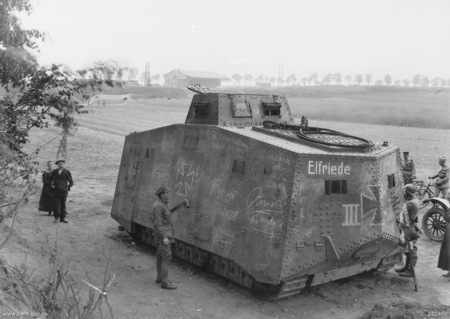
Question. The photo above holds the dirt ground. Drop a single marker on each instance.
(92, 235)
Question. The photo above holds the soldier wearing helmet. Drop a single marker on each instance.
(164, 235)
(442, 183)
(412, 209)
(408, 169)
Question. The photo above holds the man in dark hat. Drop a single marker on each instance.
(412, 210)
(408, 169)
(62, 182)
(164, 235)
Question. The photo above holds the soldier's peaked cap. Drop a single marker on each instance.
(60, 161)
(161, 190)
(405, 153)
(442, 158)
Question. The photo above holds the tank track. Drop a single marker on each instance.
(209, 262)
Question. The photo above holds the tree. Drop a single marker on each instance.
(406, 82)
(313, 78)
(358, 79)
(304, 81)
(272, 80)
(337, 78)
(132, 74)
(387, 79)
(280, 81)
(369, 78)
(35, 96)
(435, 81)
(348, 78)
(291, 78)
(237, 78)
(379, 83)
(425, 81)
(397, 83)
(248, 78)
(416, 79)
(327, 79)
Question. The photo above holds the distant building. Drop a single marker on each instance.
(183, 78)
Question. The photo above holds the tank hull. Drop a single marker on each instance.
(267, 213)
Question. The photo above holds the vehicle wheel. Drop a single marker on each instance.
(433, 224)
(422, 193)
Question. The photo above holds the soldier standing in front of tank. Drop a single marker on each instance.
(164, 235)
(442, 183)
(408, 169)
(412, 209)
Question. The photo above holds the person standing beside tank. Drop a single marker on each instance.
(442, 183)
(164, 235)
(46, 203)
(62, 182)
(408, 169)
(412, 208)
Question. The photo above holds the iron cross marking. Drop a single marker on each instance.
(369, 204)
(185, 178)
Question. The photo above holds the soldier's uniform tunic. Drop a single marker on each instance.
(409, 171)
(163, 229)
(442, 183)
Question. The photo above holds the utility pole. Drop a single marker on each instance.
(147, 80)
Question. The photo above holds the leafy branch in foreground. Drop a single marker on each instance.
(56, 296)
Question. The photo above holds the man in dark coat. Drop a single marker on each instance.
(62, 182)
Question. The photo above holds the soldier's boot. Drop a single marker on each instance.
(158, 269)
(409, 272)
(166, 283)
(406, 266)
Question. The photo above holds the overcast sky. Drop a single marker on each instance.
(401, 38)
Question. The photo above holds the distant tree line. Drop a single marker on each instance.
(417, 80)
(246, 79)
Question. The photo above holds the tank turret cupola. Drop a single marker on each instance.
(237, 110)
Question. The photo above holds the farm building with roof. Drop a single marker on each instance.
(182, 78)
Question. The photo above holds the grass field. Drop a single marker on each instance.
(407, 109)
(411, 109)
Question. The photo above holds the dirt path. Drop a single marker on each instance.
(92, 236)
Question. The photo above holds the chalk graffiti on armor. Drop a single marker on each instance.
(321, 168)
(221, 195)
(267, 222)
(255, 198)
(160, 176)
(185, 178)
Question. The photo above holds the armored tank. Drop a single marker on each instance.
(275, 206)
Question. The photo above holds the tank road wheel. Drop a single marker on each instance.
(433, 224)
(422, 193)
